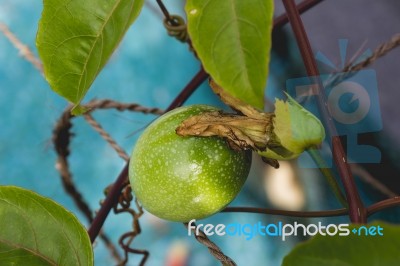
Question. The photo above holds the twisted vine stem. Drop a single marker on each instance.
(212, 247)
(62, 137)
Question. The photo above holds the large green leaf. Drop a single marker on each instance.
(37, 231)
(232, 38)
(76, 38)
(349, 250)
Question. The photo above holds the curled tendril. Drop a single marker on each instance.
(176, 27)
(124, 205)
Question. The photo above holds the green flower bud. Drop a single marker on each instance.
(295, 128)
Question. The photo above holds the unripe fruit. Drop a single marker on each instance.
(183, 178)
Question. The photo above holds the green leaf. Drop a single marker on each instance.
(232, 38)
(349, 250)
(37, 231)
(76, 38)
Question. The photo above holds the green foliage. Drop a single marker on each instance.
(232, 38)
(76, 38)
(349, 250)
(37, 231)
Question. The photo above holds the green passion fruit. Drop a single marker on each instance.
(184, 178)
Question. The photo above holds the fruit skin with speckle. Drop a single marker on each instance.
(183, 178)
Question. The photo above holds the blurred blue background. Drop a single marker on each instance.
(151, 68)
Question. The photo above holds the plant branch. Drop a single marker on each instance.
(197, 80)
(384, 204)
(357, 210)
(328, 213)
(108, 204)
(302, 7)
(167, 15)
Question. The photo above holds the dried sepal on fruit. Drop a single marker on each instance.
(282, 135)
